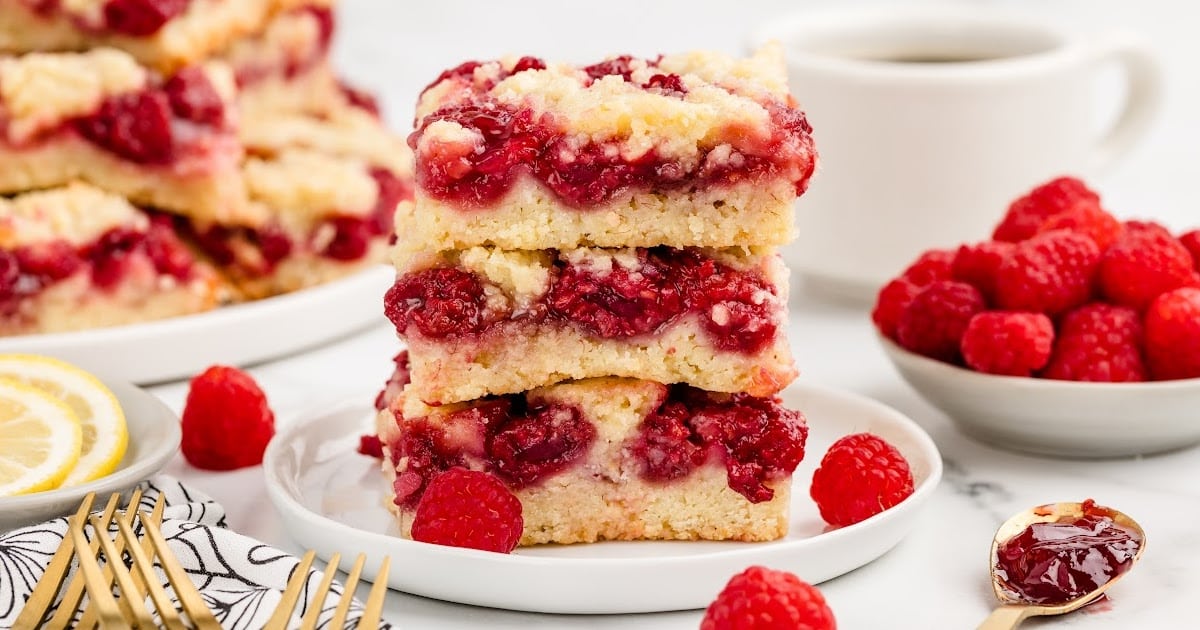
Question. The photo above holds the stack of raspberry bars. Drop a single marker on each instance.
(161, 157)
(592, 303)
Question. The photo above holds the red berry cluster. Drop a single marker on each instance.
(1063, 290)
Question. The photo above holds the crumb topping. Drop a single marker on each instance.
(289, 38)
(303, 187)
(344, 132)
(524, 275)
(39, 90)
(722, 102)
(78, 213)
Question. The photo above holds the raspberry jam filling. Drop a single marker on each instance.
(28, 270)
(141, 18)
(134, 18)
(737, 309)
(1057, 562)
(159, 125)
(525, 441)
(517, 142)
(521, 441)
(757, 439)
(347, 238)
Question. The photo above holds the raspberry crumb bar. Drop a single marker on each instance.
(686, 150)
(327, 218)
(609, 459)
(163, 34)
(483, 321)
(98, 116)
(77, 257)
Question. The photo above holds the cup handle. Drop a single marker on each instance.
(1144, 80)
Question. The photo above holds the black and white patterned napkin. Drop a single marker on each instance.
(241, 579)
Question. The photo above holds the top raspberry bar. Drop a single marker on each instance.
(163, 34)
(693, 149)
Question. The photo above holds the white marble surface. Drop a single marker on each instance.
(937, 577)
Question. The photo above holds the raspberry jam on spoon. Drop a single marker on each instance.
(1057, 558)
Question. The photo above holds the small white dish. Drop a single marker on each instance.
(154, 436)
(1060, 418)
(332, 500)
(180, 347)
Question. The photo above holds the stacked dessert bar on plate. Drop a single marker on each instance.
(591, 299)
(209, 135)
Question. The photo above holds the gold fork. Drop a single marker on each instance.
(372, 608)
(56, 572)
(130, 611)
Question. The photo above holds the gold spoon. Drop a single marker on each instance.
(1014, 610)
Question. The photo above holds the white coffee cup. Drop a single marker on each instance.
(930, 120)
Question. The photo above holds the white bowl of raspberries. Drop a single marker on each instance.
(1068, 333)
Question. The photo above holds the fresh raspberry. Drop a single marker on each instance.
(765, 599)
(226, 420)
(1086, 217)
(930, 267)
(1191, 241)
(1142, 265)
(1098, 342)
(1027, 214)
(1136, 225)
(894, 297)
(1008, 342)
(977, 265)
(860, 476)
(1173, 335)
(934, 321)
(469, 508)
(1050, 273)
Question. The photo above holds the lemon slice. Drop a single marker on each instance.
(105, 437)
(40, 438)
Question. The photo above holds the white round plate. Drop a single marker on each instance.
(153, 439)
(332, 500)
(180, 347)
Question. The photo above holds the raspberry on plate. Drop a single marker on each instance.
(977, 265)
(467, 508)
(933, 323)
(1173, 335)
(226, 420)
(1027, 214)
(1086, 217)
(860, 476)
(1050, 273)
(1008, 342)
(765, 599)
(1191, 241)
(1098, 342)
(1142, 265)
